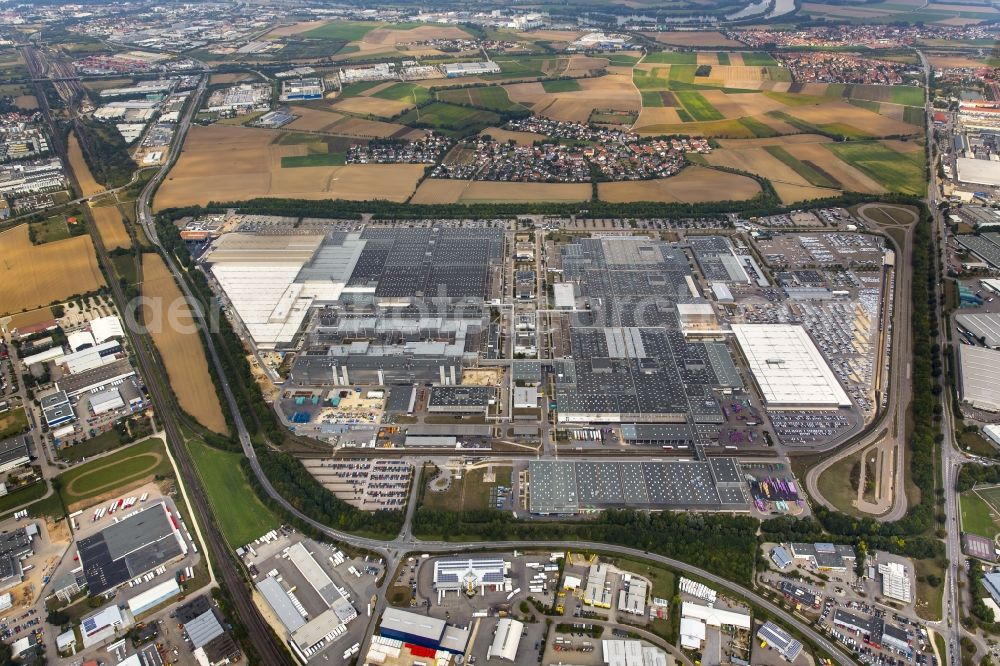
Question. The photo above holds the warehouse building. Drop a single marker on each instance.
(15, 452)
(302, 89)
(979, 377)
(985, 327)
(787, 367)
(469, 574)
(568, 487)
(825, 556)
(422, 630)
(506, 640)
(631, 653)
(716, 617)
(453, 70)
(130, 548)
(210, 641)
(102, 625)
(780, 640)
(15, 546)
(632, 599)
(598, 591)
(460, 399)
(153, 597)
(56, 409)
(852, 622)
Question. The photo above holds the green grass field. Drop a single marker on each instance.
(908, 95)
(723, 58)
(671, 58)
(13, 422)
(914, 115)
(758, 59)
(759, 129)
(241, 515)
(314, 160)
(50, 229)
(698, 107)
(518, 67)
(654, 80)
(977, 515)
(682, 73)
(807, 170)
(405, 92)
(794, 99)
(561, 86)
(106, 441)
(469, 493)
(147, 458)
(493, 98)
(346, 31)
(622, 60)
(352, 89)
(17, 498)
(896, 171)
(440, 115)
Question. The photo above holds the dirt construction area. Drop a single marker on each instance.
(110, 226)
(692, 185)
(37, 275)
(172, 327)
(221, 163)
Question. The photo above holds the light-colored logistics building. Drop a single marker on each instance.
(979, 372)
(788, 368)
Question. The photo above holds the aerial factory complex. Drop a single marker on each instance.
(640, 334)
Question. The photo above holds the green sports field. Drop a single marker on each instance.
(977, 515)
(241, 516)
(126, 466)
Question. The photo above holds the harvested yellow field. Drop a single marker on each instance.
(791, 194)
(294, 29)
(953, 61)
(526, 93)
(220, 163)
(605, 92)
(754, 104)
(692, 185)
(111, 227)
(373, 129)
(577, 65)
(436, 190)
(707, 38)
(736, 60)
(707, 58)
(758, 161)
(842, 113)
(37, 275)
(520, 138)
(728, 105)
(728, 128)
(945, 7)
(167, 315)
(88, 185)
(657, 115)
(313, 120)
(371, 106)
(903, 146)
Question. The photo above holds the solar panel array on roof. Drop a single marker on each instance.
(568, 487)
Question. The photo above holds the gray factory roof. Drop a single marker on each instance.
(460, 396)
(984, 325)
(279, 602)
(203, 629)
(979, 371)
(567, 487)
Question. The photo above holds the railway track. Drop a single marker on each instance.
(259, 632)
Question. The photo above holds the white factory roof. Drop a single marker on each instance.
(715, 617)
(153, 595)
(90, 358)
(978, 172)
(692, 633)
(788, 368)
(105, 401)
(631, 653)
(276, 597)
(506, 639)
(455, 573)
(44, 356)
(985, 325)
(565, 295)
(79, 339)
(980, 375)
(105, 328)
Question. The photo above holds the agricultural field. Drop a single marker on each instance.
(612, 92)
(694, 184)
(493, 98)
(221, 163)
(443, 190)
(179, 344)
(241, 515)
(364, 40)
(692, 38)
(38, 275)
(111, 226)
(896, 171)
(449, 118)
(88, 185)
